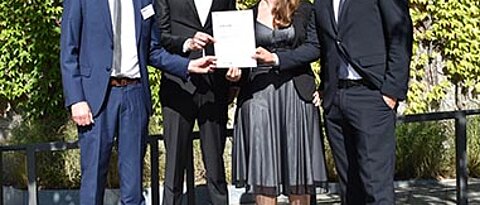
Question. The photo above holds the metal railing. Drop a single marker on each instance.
(460, 118)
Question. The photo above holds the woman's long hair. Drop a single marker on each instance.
(283, 12)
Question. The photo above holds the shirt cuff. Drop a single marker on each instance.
(276, 60)
(185, 45)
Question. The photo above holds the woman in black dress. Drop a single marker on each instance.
(278, 143)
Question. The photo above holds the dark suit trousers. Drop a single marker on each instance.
(180, 110)
(123, 115)
(361, 131)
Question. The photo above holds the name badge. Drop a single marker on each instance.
(147, 11)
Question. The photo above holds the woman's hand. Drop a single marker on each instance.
(234, 74)
(263, 56)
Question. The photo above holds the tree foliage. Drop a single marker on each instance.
(29, 55)
(445, 66)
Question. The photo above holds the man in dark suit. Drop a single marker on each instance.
(366, 48)
(186, 30)
(105, 48)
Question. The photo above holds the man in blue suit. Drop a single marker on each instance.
(105, 48)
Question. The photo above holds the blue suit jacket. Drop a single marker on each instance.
(87, 51)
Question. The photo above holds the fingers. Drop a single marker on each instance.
(199, 41)
(260, 50)
(90, 115)
(391, 102)
(202, 65)
(317, 99)
(262, 55)
(238, 72)
(83, 119)
(202, 39)
(233, 74)
(210, 59)
(210, 62)
(81, 114)
(229, 72)
(194, 46)
(211, 68)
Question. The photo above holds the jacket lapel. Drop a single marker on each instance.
(344, 10)
(193, 8)
(107, 19)
(137, 6)
(213, 7)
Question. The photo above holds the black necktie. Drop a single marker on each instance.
(117, 51)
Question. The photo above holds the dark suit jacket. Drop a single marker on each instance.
(87, 51)
(178, 21)
(295, 59)
(374, 36)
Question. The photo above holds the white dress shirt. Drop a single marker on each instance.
(129, 57)
(352, 74)
(203, 8)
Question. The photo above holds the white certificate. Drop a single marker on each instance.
(234, 38)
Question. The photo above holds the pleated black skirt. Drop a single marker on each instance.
(278, 143)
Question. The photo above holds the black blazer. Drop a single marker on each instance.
(178, 20)
(374, 36)
(296, 58)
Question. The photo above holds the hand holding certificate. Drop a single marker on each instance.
(234, 38)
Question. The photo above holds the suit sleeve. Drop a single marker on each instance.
(307, 52)
(161, 59)
(397, 26)
(69, 52)
(232, 5)
(172, 43)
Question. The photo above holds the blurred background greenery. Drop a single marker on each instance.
(445, 75)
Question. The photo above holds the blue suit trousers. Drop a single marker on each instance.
(124, 115)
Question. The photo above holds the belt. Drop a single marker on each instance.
(350, 83)
(121, 82)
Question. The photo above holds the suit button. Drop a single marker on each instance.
(338, 42)
(108, 69)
